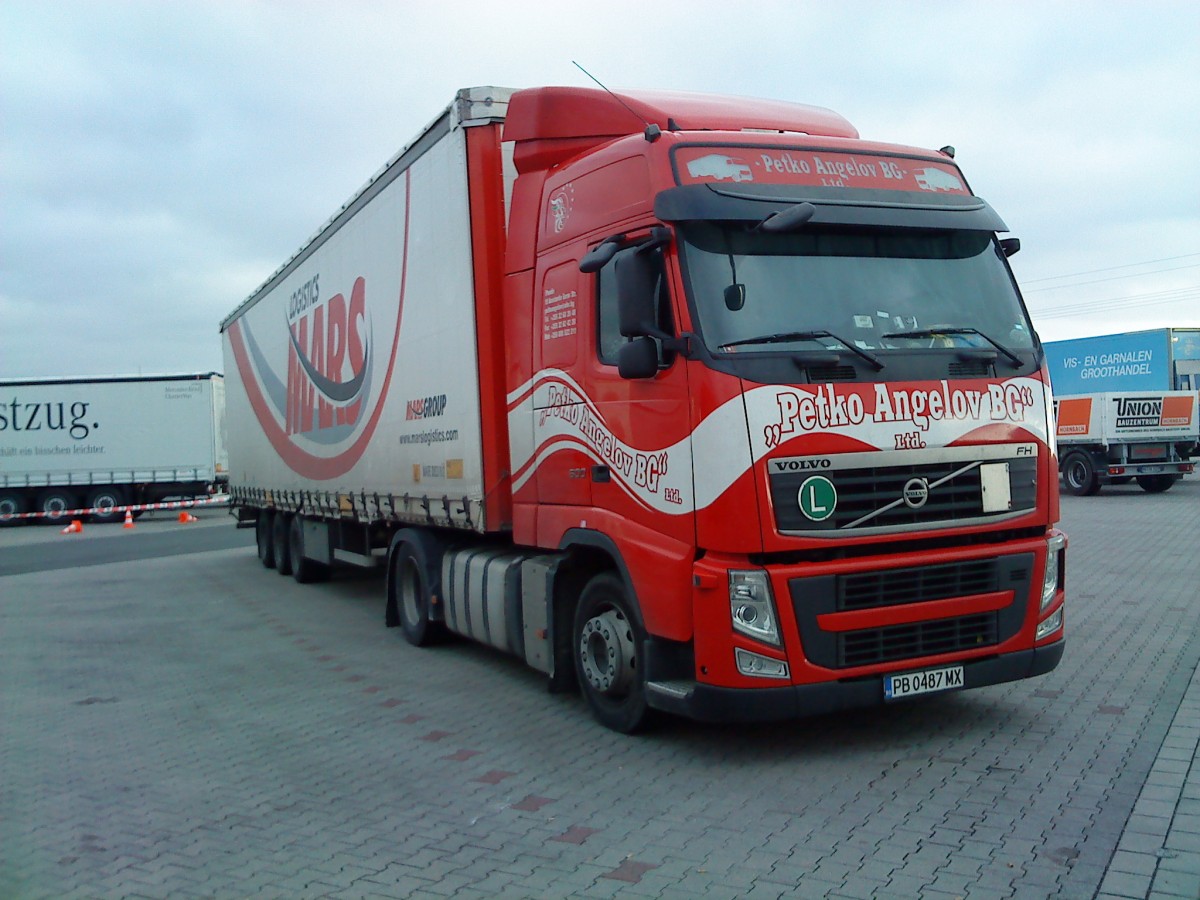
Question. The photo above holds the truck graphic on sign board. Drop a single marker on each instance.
(937, 180)
(720, 167)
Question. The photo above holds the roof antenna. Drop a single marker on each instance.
(652, 132)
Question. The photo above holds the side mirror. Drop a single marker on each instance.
(638, 358)
(637, 287)
(1010, 246)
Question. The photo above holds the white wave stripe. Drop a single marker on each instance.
(720, 451)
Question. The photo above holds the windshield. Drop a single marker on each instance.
(875, 289)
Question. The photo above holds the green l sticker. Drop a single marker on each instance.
(817, 498)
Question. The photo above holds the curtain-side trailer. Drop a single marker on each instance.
(102, 443)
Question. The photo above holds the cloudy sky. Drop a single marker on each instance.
(159, 160)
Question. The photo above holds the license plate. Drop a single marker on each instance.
(910, 684)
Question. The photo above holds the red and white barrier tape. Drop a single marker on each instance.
(215, 500)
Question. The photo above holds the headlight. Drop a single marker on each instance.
(751, 606)
(1054, 559)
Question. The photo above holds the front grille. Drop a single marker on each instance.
(825, 595)
(872, 496)
(893, 586)
(896, 642)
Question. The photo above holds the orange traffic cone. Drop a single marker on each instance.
(75, 527)
(185, 517)
(128, 518)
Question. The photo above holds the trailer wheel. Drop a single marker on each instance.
(608, 641)
(55, 503)
(1155, 484)
(1079, 475)
(410, 589)
(279, 542)
(106, 499)
(304, 570)
(264, 539)
(12, 505)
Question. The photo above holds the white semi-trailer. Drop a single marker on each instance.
(104, 443)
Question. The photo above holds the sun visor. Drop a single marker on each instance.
(880, 208)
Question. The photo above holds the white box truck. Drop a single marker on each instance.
(99, 444)
(1117, 437)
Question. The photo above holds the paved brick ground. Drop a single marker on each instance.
(198, 726)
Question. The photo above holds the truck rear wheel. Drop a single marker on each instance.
(1079, 475)
(279, 543)
(55, 504)
(1155, 484)
(304, 570)
(106, 500)
(264, 538)
(608, 642)
(410, 585)
(12, 505)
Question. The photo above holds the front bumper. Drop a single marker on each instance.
(709, 703)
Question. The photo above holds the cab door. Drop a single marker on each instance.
(640, 426)
(564, 459)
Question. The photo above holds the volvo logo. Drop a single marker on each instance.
(916, 493)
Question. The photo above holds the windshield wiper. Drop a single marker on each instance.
(1013, 359)
(784, 337)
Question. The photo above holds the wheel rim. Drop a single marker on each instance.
(607, 653)
(410, 591)
(1076, 474)
(104, 505)
(55, 506)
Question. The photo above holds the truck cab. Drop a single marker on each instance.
(776, 385)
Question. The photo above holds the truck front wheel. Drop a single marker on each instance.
(1155, 484)
(280, 526)
(1079, 475)
(608, 641)
(264, 539)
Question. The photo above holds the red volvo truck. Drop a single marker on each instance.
(700, 404)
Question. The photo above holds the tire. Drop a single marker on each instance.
(414, 575)
(608, 641)
(304, 570)
(1079, 475)
(107, 498)
(1156, 484)
(263, 538)
(55, 503)
(12, 504)
(281, 523)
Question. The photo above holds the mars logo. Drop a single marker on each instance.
(316, 386)
(328, 363)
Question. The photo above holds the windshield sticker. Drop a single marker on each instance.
(766, 165)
